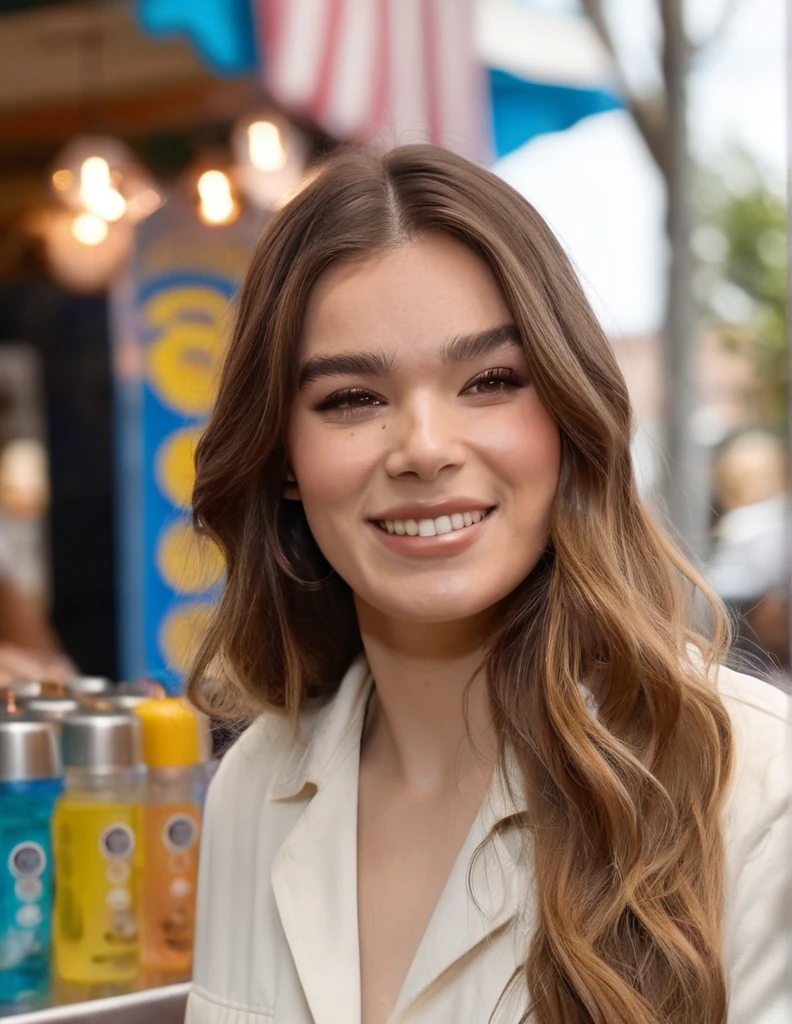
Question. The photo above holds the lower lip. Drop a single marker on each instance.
(432, 547)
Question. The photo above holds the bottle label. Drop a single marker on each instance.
(25, 909)
(172, 835)
(97, 871)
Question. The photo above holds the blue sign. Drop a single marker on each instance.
(184, 275)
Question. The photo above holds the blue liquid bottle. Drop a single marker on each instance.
(30, 782)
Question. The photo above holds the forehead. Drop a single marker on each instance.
(417, 295)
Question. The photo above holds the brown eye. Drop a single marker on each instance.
(349, 400)
(495, 382)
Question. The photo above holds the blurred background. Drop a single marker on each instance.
(143, 145)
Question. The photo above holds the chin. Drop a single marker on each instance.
(434, 607)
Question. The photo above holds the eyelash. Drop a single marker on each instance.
(342, 401)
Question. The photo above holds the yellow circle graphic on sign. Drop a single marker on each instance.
(181, 634)
(174, 466)
(187, 561)
(183, 367)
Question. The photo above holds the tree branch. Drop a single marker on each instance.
(728, 12)
(649, 114)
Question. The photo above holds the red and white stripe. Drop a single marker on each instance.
(386, 72)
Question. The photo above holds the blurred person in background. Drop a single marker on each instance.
(29, 648)
(749, 565)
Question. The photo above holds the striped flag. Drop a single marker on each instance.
(385, 72)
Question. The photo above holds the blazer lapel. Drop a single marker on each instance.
(485, 891)
(314, 882)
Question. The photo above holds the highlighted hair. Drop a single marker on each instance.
(624, 815)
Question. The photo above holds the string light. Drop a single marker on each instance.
(89, 229)
(62, 180)
(270, 155)
(99, 175)
(265, 144)
(83, 251)
(97, 192)
(217, 204)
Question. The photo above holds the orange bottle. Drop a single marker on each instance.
(171, 832)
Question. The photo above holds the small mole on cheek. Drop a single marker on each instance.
(384, 425)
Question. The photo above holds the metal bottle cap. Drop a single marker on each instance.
(29, 750)
(24, 688)
(101, 741)
(120, 702)
(84, 686)
(53, 709)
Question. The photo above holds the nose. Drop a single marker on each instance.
(425, 439)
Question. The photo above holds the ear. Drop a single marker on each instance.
(291, 492)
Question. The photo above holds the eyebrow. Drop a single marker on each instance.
(461, 349)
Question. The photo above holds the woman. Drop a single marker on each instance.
(531, 797)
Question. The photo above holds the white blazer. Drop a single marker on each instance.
(277, 903)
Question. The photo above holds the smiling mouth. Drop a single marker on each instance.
(454, 523)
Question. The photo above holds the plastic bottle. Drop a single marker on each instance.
(96, 831)
(30, 782)
(173, 751)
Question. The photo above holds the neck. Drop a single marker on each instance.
(430, 721)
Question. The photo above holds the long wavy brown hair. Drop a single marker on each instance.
(625, 803)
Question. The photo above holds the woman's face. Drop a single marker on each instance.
(424, 459)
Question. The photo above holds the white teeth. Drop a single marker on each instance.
(443, 524)
(432, 527)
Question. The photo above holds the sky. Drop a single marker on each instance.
(596, 183)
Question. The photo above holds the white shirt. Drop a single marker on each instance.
(277, 904)
(748, 561)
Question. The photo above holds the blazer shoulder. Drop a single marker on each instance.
(752, 698)
(761, 791)
(258, 756)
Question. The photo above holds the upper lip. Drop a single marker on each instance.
(432, 509)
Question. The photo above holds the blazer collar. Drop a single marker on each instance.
(314, 875)
(329, 729)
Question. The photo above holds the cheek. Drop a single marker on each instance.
(329, 465)
(527, 447)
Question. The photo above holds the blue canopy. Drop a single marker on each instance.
(223, 33)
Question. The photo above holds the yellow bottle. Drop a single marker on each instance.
(172, 750)
(96, 837)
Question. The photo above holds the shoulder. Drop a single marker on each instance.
(761, 717)
(267, 749)
(761, 789)
(276, 757)
(758, 838)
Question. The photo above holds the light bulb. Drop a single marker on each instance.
(94, 174)
(267, 152)
(62, 180)
(84, 253)
(270, 156)
(99, 175)
(109, 205)
(97, 192)
(217, 202)
(89, 229)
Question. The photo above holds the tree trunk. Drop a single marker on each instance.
(686, 477)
